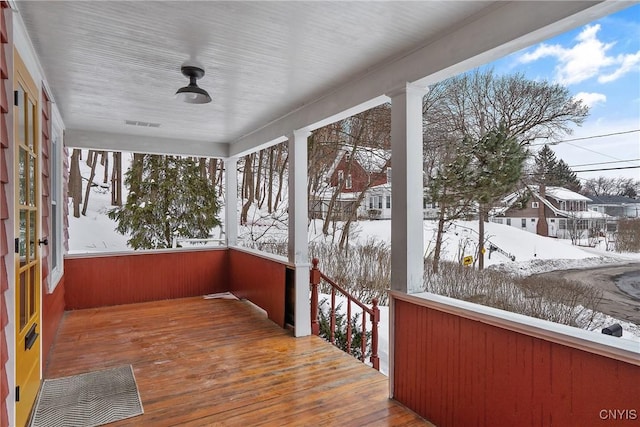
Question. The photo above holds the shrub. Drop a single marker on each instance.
(340, 334)
(628, 235)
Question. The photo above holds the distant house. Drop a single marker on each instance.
(366, 170)
(615, 206)
(551, 211)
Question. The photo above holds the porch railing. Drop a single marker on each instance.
(369, 314)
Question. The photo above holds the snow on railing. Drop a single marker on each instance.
(178, 240)
(373, 312)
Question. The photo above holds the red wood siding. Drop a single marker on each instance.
(359, 177)
(52, 312)
(460, 372)
(4, 216)
(45, 208)
(124, 279)
(260, 280)
(52, 304)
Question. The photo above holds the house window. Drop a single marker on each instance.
(379, 202)
(348, 182)
(340, 176)
(552, 220)
(562, 224)
(498, 220)
(563, 205)
(388, 175)
(533, 220)
(535, 205)
(371, 201)
(508, 221)
(389, 202)
(57, 204)
(524, 223)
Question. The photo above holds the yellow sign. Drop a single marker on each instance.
(468, 260)
(483, 250)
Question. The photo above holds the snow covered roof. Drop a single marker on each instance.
(561, 193)
(372, 159)
(558, 193)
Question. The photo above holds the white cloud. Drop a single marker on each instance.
(588, 58)
(591, 98)
(627, 63)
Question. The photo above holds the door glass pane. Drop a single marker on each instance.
(32, 180)
(20, 112)
(30, 130)
(32, 291)
(22, 171)
(32, 235)
(22, 247)
(23, 300)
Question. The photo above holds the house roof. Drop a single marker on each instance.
(270, 67)
(612, 200)
(372, 160)
(561, 193)
(558, 193)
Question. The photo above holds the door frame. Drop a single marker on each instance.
(32, 331)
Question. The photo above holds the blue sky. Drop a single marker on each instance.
(600, 64)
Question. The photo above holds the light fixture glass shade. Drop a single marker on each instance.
(192, 94)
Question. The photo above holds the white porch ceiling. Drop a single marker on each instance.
(271, 67)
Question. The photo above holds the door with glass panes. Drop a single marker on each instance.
(27, 255)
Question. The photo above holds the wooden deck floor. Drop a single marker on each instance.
(220, 362)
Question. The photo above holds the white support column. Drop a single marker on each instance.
(298, 219)
(407, 246)
(231, 203)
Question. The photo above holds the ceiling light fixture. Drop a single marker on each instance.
(192, 94)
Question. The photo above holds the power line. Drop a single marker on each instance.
(604, 163)
(594, 151)
(608, 169)
(585, 138)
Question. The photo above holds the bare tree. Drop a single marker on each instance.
(92, 158)
(75, 181)
(248, 184)
(473, 104)
(116, 179)
(620, 186)
(104, 161)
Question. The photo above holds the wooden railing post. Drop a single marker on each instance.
(375, 318)
(315, 281)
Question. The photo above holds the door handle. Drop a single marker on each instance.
(44, 241)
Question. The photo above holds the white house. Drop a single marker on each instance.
(550, 211)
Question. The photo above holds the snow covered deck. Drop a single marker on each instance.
(222, 362)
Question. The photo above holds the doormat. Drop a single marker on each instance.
(88, 400)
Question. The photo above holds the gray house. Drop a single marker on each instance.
(616, 206)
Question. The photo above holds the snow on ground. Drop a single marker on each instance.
(95, 232)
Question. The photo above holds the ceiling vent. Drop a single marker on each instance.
(142, 124)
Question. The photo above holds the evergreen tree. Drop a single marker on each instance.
(450, 188)
(544, 164)
(550, 171)
(168, 198)
(563, 176)
(497, 168)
